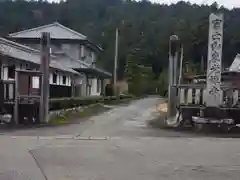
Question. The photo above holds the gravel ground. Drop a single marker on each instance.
(118, 144)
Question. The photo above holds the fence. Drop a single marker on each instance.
(195, 94)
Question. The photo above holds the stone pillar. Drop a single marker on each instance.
(214, 67)
(173, 75)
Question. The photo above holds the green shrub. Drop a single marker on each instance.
(67, 103)
(109, 90)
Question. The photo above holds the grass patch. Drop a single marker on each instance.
(84, 113)
(57, 121)
(65, 103)
(70, 116)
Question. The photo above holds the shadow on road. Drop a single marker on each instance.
(160, 124)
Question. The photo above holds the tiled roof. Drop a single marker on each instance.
(235, 66)
(57, 31)
(25, 53)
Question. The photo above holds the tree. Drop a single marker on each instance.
(146, 27)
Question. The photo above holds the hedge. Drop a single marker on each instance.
(66, 103)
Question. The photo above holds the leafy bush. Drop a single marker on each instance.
(109, 90)
(67, 103)
(163, 83)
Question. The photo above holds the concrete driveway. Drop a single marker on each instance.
(117, 145)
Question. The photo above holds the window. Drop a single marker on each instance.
(54, 78)
(11, 72)
(93, 57)
(35, 82)
(81, 51)
(64, 80)
(87, 52)
(58, 45)
(93, 64)
(90, 53)
(5, 73)
(28, 67)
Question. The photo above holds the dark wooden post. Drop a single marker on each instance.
(1, 88)
(44, 68)
(102, 87)
(16, 102)
(1, 96)
(73, 94)
(88, 90)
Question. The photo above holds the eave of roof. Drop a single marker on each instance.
(93, 44)
(94, 71)
(31, 55)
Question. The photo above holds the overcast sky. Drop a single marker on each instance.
(226, 3)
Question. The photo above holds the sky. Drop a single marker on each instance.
(227, 3)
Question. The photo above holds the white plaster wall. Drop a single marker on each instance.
(73, 50)
(84, 55)
(94, 90)
(58, 79)
(84, 86)
(4, 72)
(51, 78)
(82, 52)
(79, 82)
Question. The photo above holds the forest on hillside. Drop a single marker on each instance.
(144, 29)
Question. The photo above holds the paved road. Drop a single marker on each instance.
(117, 145)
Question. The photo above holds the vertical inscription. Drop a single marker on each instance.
(214, 60)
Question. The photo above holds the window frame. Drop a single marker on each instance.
(54, 75)
(64, 80)
(12, 75)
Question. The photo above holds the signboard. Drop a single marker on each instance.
(213, 93)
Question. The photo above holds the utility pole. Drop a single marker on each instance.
(1, 89)
(181, 64)
(202, 64)
(44, 79)
(115, 61)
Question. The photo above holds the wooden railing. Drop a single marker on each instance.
(195, 94)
